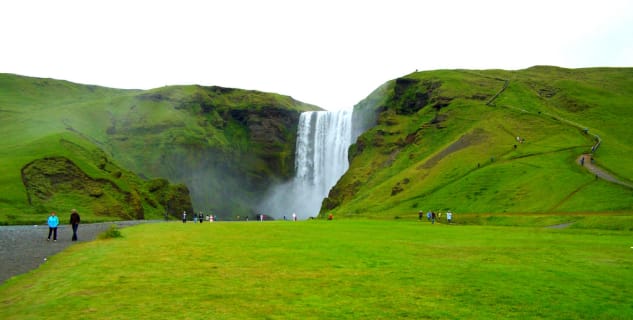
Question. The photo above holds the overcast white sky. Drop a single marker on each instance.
(329, 53)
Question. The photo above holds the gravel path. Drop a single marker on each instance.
(24, 248)
(585, 161)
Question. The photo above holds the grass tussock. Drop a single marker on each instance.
(112, 232)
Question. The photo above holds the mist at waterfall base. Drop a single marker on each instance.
(323, 138)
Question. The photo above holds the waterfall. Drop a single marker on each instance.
(323, 138)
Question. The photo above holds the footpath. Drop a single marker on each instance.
(586, 160)
(24, 248)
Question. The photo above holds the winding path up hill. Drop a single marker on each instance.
(585, 160)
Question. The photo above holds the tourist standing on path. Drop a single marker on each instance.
(420, 215)
(433, 217)
(184, 217)
(449, 216)
(53, 222)
(74, 221)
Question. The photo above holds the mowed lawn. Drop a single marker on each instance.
(341, 269)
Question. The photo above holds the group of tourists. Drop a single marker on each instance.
(200, 217)
(53, 223)
(431, 216)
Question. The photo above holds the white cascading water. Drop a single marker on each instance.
(323, 138)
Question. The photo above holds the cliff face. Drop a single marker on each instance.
(227, 145)
(113, 152)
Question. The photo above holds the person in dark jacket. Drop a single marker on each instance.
(74, 221)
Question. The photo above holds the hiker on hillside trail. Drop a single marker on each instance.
(449, 216)
(433, 217)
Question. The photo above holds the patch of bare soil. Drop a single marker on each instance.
(476, 137)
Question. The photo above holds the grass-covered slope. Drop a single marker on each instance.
(68, 145)
(448, 140)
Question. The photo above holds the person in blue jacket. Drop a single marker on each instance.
(53, 222)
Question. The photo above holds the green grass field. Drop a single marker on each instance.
(341, 269)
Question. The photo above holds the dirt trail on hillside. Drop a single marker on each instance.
(585, 161)
(24, 248)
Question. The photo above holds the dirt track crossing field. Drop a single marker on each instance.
(24, 248)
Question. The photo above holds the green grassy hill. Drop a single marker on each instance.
(439, 140)
(447, 139)
(107, 152)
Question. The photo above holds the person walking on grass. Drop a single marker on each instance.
(449, 216)
(433, 216)
(74, 222)
(53, 222)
